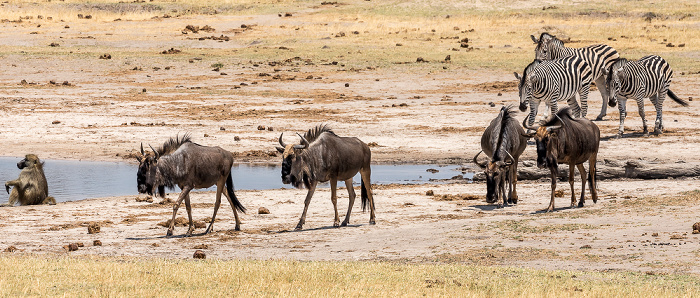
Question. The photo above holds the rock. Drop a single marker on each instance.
(93, 228)
(347, 84)
(261, 127)
(430, 193)
(10, 249)
(654, 234)
(201, 246)
(558, 194)
(696, 226)
(263, 210)
(198, 254)
(97, 243)
(56, 122)
(237, 138)
(270, 128)
(432, 171)
(106, 56)
(222, 128)
(71, 247)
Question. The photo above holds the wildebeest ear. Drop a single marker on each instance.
(280, 149)
(517, 76)
(534, 39)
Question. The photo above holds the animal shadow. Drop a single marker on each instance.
(490, 207)
(544, 211)
(316, 229)
(626, 135)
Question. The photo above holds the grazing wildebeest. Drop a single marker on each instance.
(649, 77)
(503, 141)
(564, 139)
(188, 165)
(323, 156)
(30, 188)
(599, 57)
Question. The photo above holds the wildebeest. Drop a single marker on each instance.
(30, 188)
(189, 166)
(649, 77)
(503, 141)
(323, 156)
(564, 139)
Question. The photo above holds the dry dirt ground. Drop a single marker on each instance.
(420, 113)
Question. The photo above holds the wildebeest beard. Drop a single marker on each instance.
(148, 178)
(298, 179)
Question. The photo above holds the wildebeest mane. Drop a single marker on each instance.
(312, 134)
(562, 114)
(173, 144)
(506, 114)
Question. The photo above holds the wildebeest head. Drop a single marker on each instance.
(495, 172)
(525, 84)
(542, 51)
(146, 175)
(294, 170)
(547, 142)
(613, 81)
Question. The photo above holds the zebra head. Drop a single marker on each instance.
(544, 43)
(616, 73)
(525, 84)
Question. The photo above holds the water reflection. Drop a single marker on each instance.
(71, 180)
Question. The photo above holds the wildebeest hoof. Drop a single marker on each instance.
(298, 228)
(599, 118)
(372, 222)
(580, 204)
(618, 135)
(237, 228)
(169, 233)
(336, 224)
(344, 224)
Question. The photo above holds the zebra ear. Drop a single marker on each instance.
(534, 39)
(517, 76)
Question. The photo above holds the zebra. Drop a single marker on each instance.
(649, 77)
(599, 57)
(552, 81)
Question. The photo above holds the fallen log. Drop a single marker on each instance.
(612, 169)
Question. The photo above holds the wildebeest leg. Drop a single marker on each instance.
(219, 189)
(235, 213)
(553, 173)
(582, 171)
(185, 192)
(514, 178)
(188, 206)
(302, 220)
(571, 183)
(365, 175)
(351, 202)
(600, 83)
(334, 200)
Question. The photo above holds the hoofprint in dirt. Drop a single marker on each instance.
(636, 225)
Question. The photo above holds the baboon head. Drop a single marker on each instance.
(495, 172)
(146, 175)
(293, 166)
(28, 161)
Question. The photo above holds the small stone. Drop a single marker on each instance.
(10, 249)
(261, 127)
(654, 234)
(144, 90)
(222, 128)
(56, 122)
(93, 228)
(430, 193)
(263, 210)
(198, 254)
(585, 247)
(97, 243)
(347, 84)
(71, 247)
(236, 138)
(206, 135)
(696, 226)
(270, 128)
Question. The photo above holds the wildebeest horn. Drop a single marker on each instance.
(512, 160)
(534, 38)
(550, 128)
(282, 142)
(304, 143)
(529, 127)
(483, 166)
(154, 151)
(142, 153)
(562, 121)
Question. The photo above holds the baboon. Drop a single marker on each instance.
(31, 187)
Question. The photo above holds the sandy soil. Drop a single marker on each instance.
(426, 115)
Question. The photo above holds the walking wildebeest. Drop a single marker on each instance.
(30, 188)
(503, 141)
(323, 156)
(188, 165)
(564, 139)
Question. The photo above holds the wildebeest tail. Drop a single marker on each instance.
(363, 194)
(229, 189)
(592, 174)
(676, 99)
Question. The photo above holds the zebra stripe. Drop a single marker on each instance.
(648, 77)
(599, 58)
(552, 81)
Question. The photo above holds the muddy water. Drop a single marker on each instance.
(71, 180)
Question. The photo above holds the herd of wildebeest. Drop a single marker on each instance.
(565, 136)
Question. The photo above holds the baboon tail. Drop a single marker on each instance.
(49, 200)
(676, 99)
(363, 194)
(232, 195)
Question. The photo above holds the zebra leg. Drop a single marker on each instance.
(658, 104)
(605, 94)
(553, 107)
(583, 94)
(533, 113)
(640, 106)
(621, 106)
(574, 106)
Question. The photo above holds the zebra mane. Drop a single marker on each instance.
(529, 69)
(617, 63)
(173, 144)
(312, 134)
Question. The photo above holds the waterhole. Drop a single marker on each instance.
(71, 180)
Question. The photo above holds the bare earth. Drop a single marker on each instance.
(104, 114)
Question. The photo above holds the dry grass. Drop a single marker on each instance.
(41, 276)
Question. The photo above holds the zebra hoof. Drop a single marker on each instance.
(618, 136)
(599, 118)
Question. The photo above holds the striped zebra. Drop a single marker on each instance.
(552, 81)
(599, 57)
(649, 77)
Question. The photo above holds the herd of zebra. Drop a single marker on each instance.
(558, 73)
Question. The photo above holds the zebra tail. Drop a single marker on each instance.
(676, 99)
